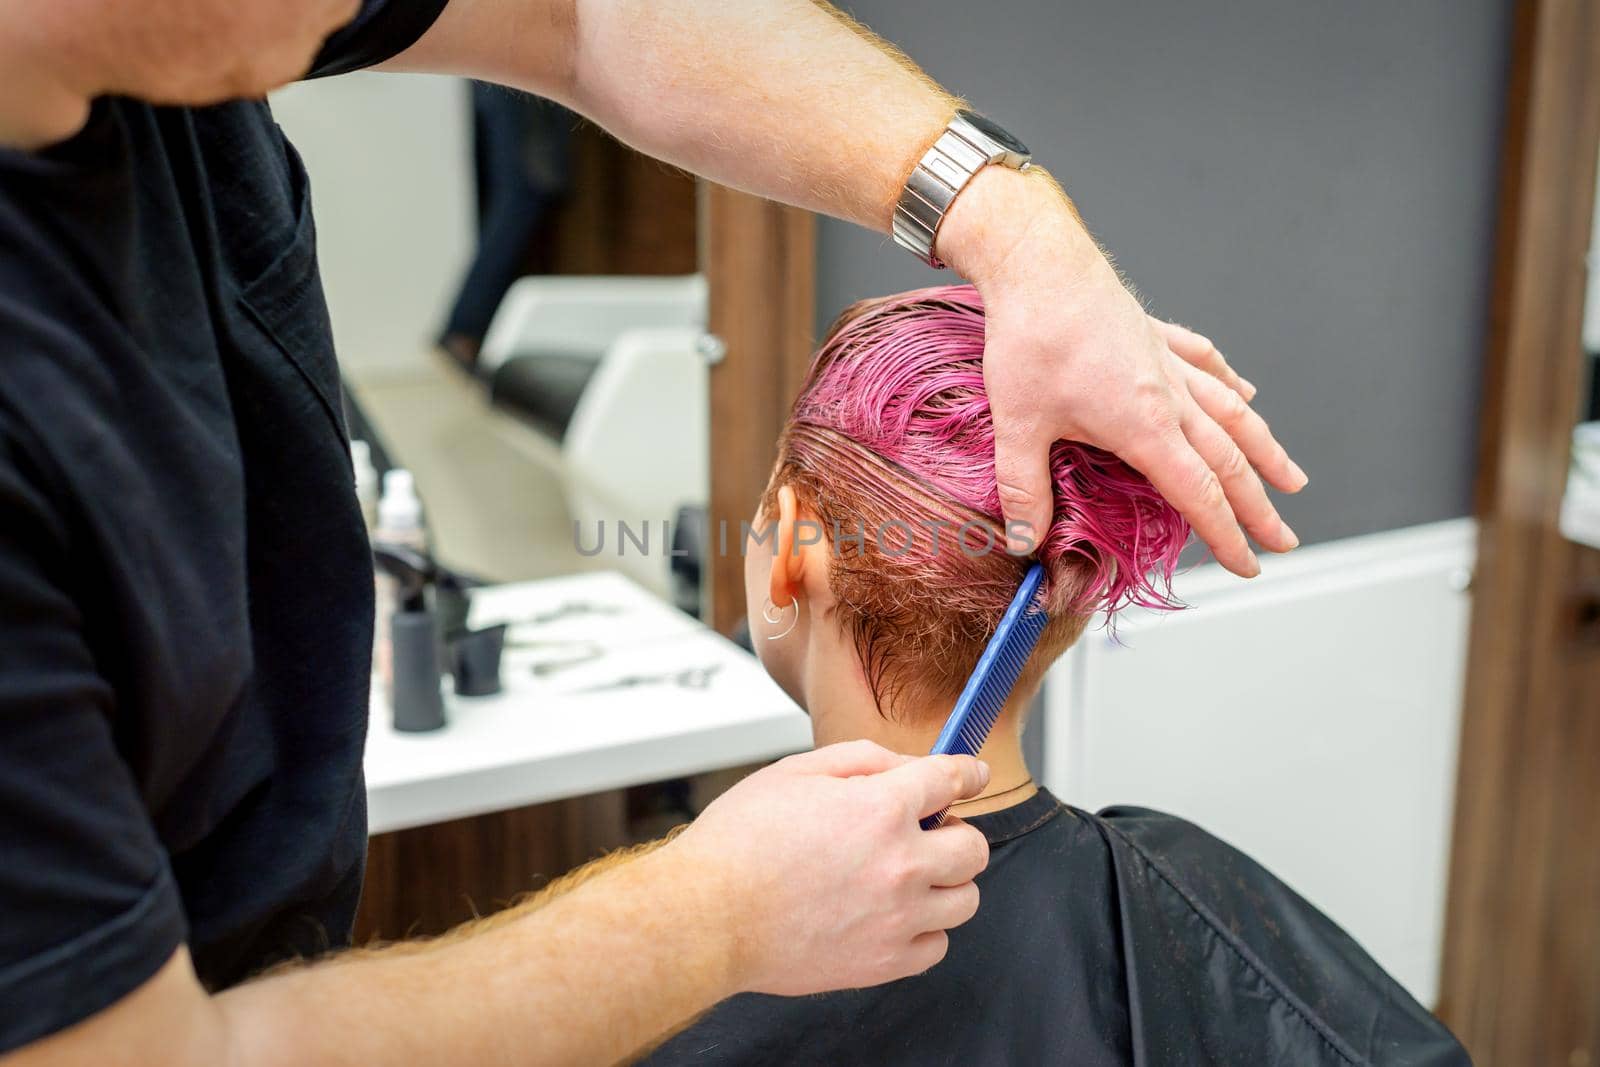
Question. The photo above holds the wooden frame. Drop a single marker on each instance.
(759, 259)
(1521, 971)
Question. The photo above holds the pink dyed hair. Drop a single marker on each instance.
(892, 423)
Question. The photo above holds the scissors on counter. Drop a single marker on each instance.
(691, 678)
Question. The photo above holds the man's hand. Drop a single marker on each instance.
(1071, 354)
(825, 879)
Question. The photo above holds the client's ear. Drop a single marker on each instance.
(788, 562)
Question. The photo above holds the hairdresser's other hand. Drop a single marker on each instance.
(1071, 354)
(821, 876)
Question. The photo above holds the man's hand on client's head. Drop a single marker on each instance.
(1071, 354)
(825, 880)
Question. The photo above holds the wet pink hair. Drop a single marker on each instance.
(892, 423)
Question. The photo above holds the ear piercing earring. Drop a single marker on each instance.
(774, 615)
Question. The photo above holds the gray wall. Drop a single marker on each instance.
(1311, 184)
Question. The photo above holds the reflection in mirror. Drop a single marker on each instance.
(518, 318)
(520, 325)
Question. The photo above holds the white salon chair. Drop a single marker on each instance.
(607, 377)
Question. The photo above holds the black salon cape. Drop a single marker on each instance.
(1127, 937)
(185, 580)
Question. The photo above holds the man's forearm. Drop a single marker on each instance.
(809, 875)
(785, 98)
(789, 99)
(585, 976)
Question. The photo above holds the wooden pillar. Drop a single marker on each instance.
(759, 259)
(1521, 971)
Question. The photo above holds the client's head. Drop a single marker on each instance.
(886, 526)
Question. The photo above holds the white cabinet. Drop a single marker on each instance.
(1309, 717)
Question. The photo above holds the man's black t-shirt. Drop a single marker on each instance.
(185, 586)
(1124, 938)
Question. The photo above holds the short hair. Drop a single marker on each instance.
(891, 444)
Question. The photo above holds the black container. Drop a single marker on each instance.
(475, 661)
(418, 706)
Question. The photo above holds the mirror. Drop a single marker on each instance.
(573, 441)
(518, 320)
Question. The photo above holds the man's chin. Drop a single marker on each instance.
(245, 74)
(41, 123)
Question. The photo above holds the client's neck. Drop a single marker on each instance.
(843, 709)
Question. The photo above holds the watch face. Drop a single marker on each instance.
(996, 133)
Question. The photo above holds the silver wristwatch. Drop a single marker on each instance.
(970, 143)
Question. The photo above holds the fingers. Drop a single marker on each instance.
(848, 759)
(925, 951)
(958, 854)
(949, 908)
(1246, 495)
(1199, 352)
(930, 784)
(1022, 473)
(1248, 430)
(1178, 472)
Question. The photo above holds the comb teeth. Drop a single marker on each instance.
(1002, 678)
(990, 686)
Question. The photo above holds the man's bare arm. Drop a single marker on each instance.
(636, 946)
(765, 891)
(789, 99)
(762, 96)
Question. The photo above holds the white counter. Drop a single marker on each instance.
(546, 738)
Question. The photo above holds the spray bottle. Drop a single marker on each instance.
(366, 483)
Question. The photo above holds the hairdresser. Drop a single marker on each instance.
(185, 587)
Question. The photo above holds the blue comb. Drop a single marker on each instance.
(994, 677)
